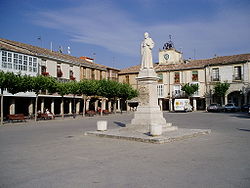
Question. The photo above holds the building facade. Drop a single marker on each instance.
(30, 60)
(174, 72)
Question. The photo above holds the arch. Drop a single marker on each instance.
(236, 97)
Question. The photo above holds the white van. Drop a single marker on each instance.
(182, 105)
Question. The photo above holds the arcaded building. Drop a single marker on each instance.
(32, 60)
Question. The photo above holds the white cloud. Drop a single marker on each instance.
(104, 25)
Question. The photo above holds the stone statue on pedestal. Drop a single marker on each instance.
(146, 52)
(148, 114)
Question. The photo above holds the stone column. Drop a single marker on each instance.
(52, 106)
(127, 106)
(70, 106)
(170, 105)
(42, 105)
(194, 104)
(87, 104)
(245, 98)
(12, 106)
(96, 104)
(62, 108)
(104, 104)
(78, 107)
(109, 106)
(225, 98)
(118, 105)
(31, 107)
(160, 104)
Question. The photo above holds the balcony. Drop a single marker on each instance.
(237, 78)
(215, 79)
(72, 78)
(179, 94)
(45, 73)
(59, 73)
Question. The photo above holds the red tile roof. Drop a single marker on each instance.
(193, 64)
(43, 52)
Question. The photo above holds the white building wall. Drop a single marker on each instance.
(51, 68)
(76, 71)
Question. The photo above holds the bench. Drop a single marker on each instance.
(18, 117)
(90, 113)
(45, 116)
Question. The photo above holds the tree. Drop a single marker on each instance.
(126, 92)
(87, 88)
(220, 90)
(62, 89)
(110, 90)
(190, 89)
(8, 81)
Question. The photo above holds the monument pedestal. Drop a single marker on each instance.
(148, 113)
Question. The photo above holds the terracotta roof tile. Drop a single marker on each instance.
(193, 64)
(43, 52)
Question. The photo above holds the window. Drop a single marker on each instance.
(20, 62)
(177, 90)
(215, 74)
(237, 73)
(59, 71)
(92, 74)
(160, 76)
(16, 61)
(10, 60)
(30, 64)
(4, 59)
(177, 77)
(194, 75)
(160, 90)
(25, 63)
(71, 75)
(34, 64)
(127, 79)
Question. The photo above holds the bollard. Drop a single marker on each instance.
(102, 125)
(155, 130)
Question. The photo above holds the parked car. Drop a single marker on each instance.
(231, 107)
(245, 107)
(215, 108)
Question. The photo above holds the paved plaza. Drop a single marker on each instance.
(55, 153)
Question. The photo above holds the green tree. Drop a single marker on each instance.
(87, 88)
(8, 81)
(190, 89)
(62, 89)
(220, 90)
(109, 89)
(126, 92)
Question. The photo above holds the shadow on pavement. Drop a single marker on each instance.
(120, 124)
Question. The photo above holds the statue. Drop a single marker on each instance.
(146, 52)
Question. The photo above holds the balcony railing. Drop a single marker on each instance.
(237, 78)
(178, 94)
(45, 73)
(215, 79)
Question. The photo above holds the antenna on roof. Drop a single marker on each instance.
(51, 47)
(39, 38)
(60, 49)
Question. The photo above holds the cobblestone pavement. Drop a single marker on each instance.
(55, 153)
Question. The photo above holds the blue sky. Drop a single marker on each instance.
(113, 29)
